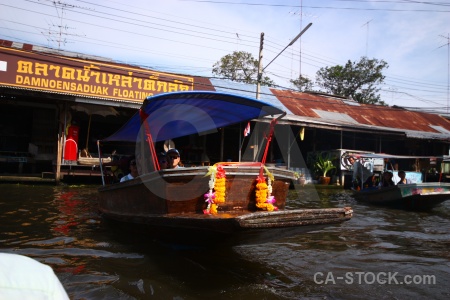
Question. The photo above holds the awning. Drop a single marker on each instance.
(173, 115)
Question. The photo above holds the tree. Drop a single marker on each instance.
(358, 80)
(240, 66)
(302, 83)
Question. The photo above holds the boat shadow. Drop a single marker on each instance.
(184, 238)
(203, 262)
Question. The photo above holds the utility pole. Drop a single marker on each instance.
(300, 52)
(260, 69)
(61, 29)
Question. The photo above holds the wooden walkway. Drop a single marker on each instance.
(26, 179)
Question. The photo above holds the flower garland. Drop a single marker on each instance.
(219, 186)
(217, 182)
(264, 199)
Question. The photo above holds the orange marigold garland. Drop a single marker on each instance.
(261, 192)
(264, 200)
(219, 186)
(217, 182)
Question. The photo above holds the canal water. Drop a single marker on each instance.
(379, 254)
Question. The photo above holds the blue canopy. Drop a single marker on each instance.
(172, 115)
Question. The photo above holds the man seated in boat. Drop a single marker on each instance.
(403, 179)
(363, 176)
(386, 180)
(173, 159)
(133, 171)
(119, 165)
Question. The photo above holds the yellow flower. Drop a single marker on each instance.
(213, 208)
(261, 193)
(219, 188)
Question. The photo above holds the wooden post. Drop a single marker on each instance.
(58, 159)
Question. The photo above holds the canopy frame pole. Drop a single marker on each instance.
(269, 136)
(101, 162)
(151, 145)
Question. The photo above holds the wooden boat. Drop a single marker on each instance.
(184, 202)
(92, 161)
(416, 196)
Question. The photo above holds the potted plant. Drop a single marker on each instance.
(300, 177)
(324, 164)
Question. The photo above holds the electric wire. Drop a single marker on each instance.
(272, 47)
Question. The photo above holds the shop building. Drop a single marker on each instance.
(54, 104)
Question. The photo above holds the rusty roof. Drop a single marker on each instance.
(344, 112)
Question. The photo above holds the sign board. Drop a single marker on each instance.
(73, 76)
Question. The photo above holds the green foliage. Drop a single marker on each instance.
(302, 83)
(298, 175)
(358, 80)
(240, 66)
(323, 163)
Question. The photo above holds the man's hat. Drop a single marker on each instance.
(173, 151)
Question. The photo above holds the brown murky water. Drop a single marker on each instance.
(379, 254)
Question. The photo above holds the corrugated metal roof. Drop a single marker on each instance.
(248, 90)
(344, 112)
(337, 116)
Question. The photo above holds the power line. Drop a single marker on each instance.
(198, 33)
(330, 7)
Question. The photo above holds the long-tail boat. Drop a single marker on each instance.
(414, 195)
(221, 200)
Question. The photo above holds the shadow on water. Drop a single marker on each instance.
(193, 272)
(60, 226)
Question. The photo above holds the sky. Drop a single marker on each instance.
(189, 36)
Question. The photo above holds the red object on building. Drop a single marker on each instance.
(71, 146)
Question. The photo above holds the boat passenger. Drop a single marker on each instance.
(173, 159)
(118, 164)
(133, 171)
(386, 180)
(362, 174)
(403, 179)
(351, 160)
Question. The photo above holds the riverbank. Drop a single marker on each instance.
(49, 179)
(34, 179)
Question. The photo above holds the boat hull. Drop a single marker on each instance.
(419, 196)
(182, 191)
(173, 201)
(226, 228)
